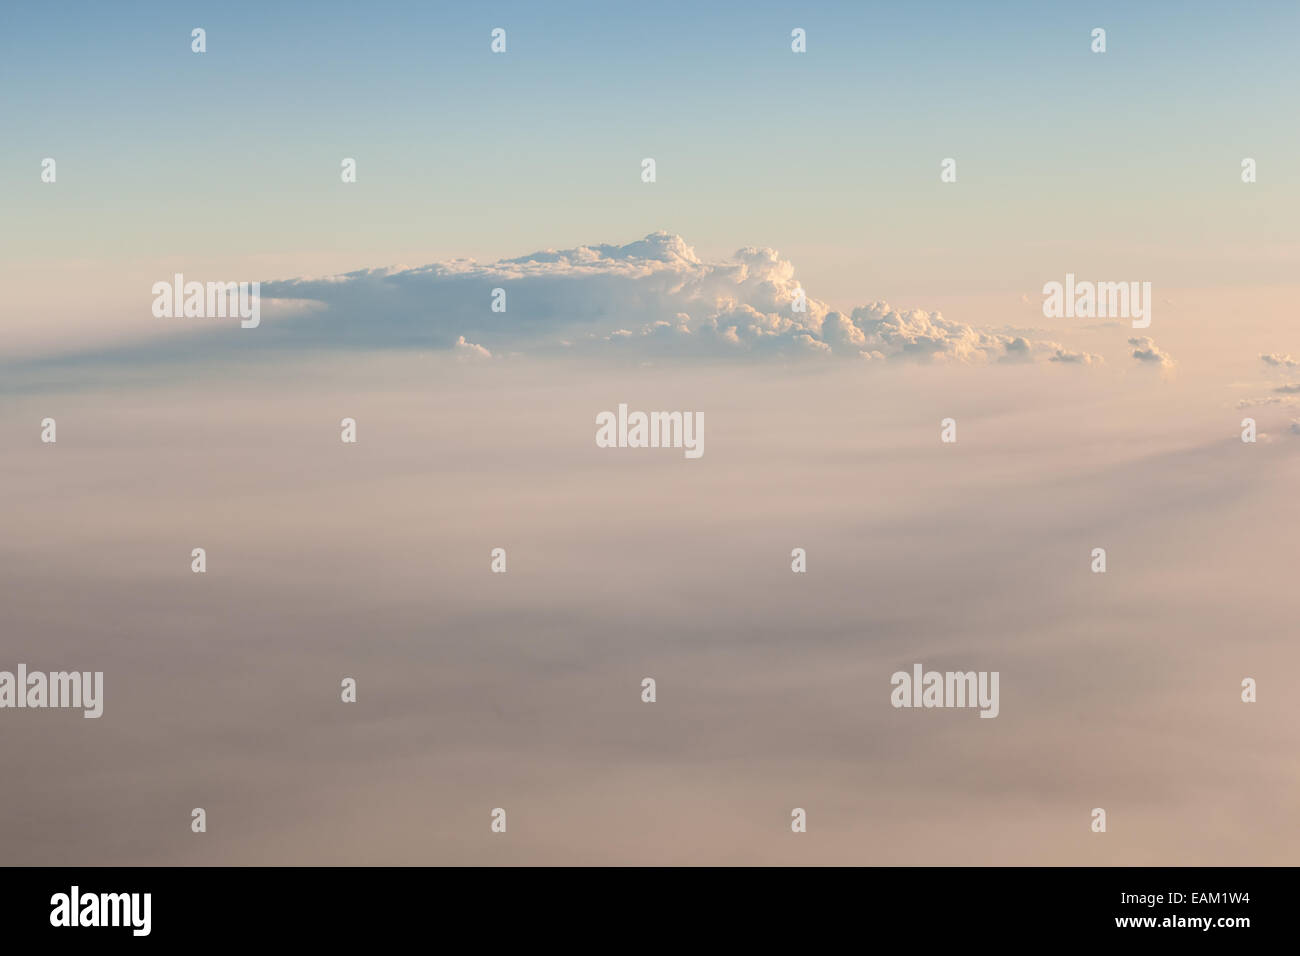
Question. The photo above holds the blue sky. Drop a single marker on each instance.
(831, 156)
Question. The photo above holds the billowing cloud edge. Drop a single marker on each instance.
(651, 297)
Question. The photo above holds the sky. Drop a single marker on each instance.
(1124, 162)
(779, 175)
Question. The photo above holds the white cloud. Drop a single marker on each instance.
(1060, 353)
(651, 297)
(469, 351)
(1146, 350)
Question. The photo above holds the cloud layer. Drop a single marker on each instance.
(652, 297)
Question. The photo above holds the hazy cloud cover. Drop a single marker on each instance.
(522, 690)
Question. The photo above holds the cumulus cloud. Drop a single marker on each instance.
(1279, 361)
(654, 296)
(1059, 353)
(1146, 350)
(468, 351)
(1281, 364)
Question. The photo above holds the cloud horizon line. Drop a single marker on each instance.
(652, 298)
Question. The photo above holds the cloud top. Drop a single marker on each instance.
(651, 297)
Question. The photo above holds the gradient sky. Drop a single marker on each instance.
(522, 690)
(1125, 163)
